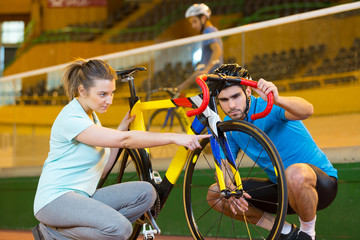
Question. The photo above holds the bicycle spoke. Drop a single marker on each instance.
(262, 187)
(200, 187)
(254, 165)
(206, 174)
(233, 226)
(243, 153)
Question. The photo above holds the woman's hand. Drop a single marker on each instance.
(189, 141)
(264, 88)
(125, 123)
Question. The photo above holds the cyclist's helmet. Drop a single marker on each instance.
(198, 9)
(235, 70)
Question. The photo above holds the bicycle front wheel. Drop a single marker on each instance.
(200, 204)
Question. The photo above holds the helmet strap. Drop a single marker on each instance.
(247, 105)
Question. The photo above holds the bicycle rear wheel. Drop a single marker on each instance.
(128, 168)
(204, 222)
(165, 120)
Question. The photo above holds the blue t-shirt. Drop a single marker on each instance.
(291, 138)
(206, 50)
(70, 165)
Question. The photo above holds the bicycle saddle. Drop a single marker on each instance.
(129, 71)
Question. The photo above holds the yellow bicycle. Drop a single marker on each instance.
(203, 167)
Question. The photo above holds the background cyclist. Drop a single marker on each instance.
(311, 178)
(212, 49)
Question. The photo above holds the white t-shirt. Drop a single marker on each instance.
(70, 165)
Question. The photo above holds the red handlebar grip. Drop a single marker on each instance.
(206, 96)
(267, 110)
(270, 97)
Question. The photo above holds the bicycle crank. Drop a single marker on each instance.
(151, 228)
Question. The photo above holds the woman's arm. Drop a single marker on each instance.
(106, 137)
(296, 108)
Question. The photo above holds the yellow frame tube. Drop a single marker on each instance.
(236, 177)
(220, 176)
(139, 107)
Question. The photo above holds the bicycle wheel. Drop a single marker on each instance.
(128, 168)
(165, 120)
(204, 222)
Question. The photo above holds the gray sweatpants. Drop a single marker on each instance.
(108, 214)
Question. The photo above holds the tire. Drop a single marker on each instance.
(157, 123)
(128, 168)
(203, 221)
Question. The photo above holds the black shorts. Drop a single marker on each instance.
(266, 194)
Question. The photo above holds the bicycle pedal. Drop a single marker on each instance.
(149, 233)
(156, 177)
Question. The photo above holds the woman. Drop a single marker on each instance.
(67, 204)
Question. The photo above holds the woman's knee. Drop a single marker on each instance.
(149, 192)
(118, 231)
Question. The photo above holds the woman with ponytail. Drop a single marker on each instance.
(67, 203)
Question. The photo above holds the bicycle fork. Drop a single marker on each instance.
(221, 150)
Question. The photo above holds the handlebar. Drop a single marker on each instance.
(246, 82)
(206, 97)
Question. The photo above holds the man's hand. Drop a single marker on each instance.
(264, 88)
(296, 108)
(238, 205)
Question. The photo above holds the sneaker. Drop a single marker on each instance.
(37, 233)
(303, 236)
(291, 235)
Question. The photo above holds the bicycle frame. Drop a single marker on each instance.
(178, 162)
(218, 142)
(206, 116)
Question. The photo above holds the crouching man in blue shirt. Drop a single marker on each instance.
(311, 178)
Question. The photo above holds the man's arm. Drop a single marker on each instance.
(296, 108)
(216, 53)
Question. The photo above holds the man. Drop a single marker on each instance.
(311, 178)
(212, 54)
